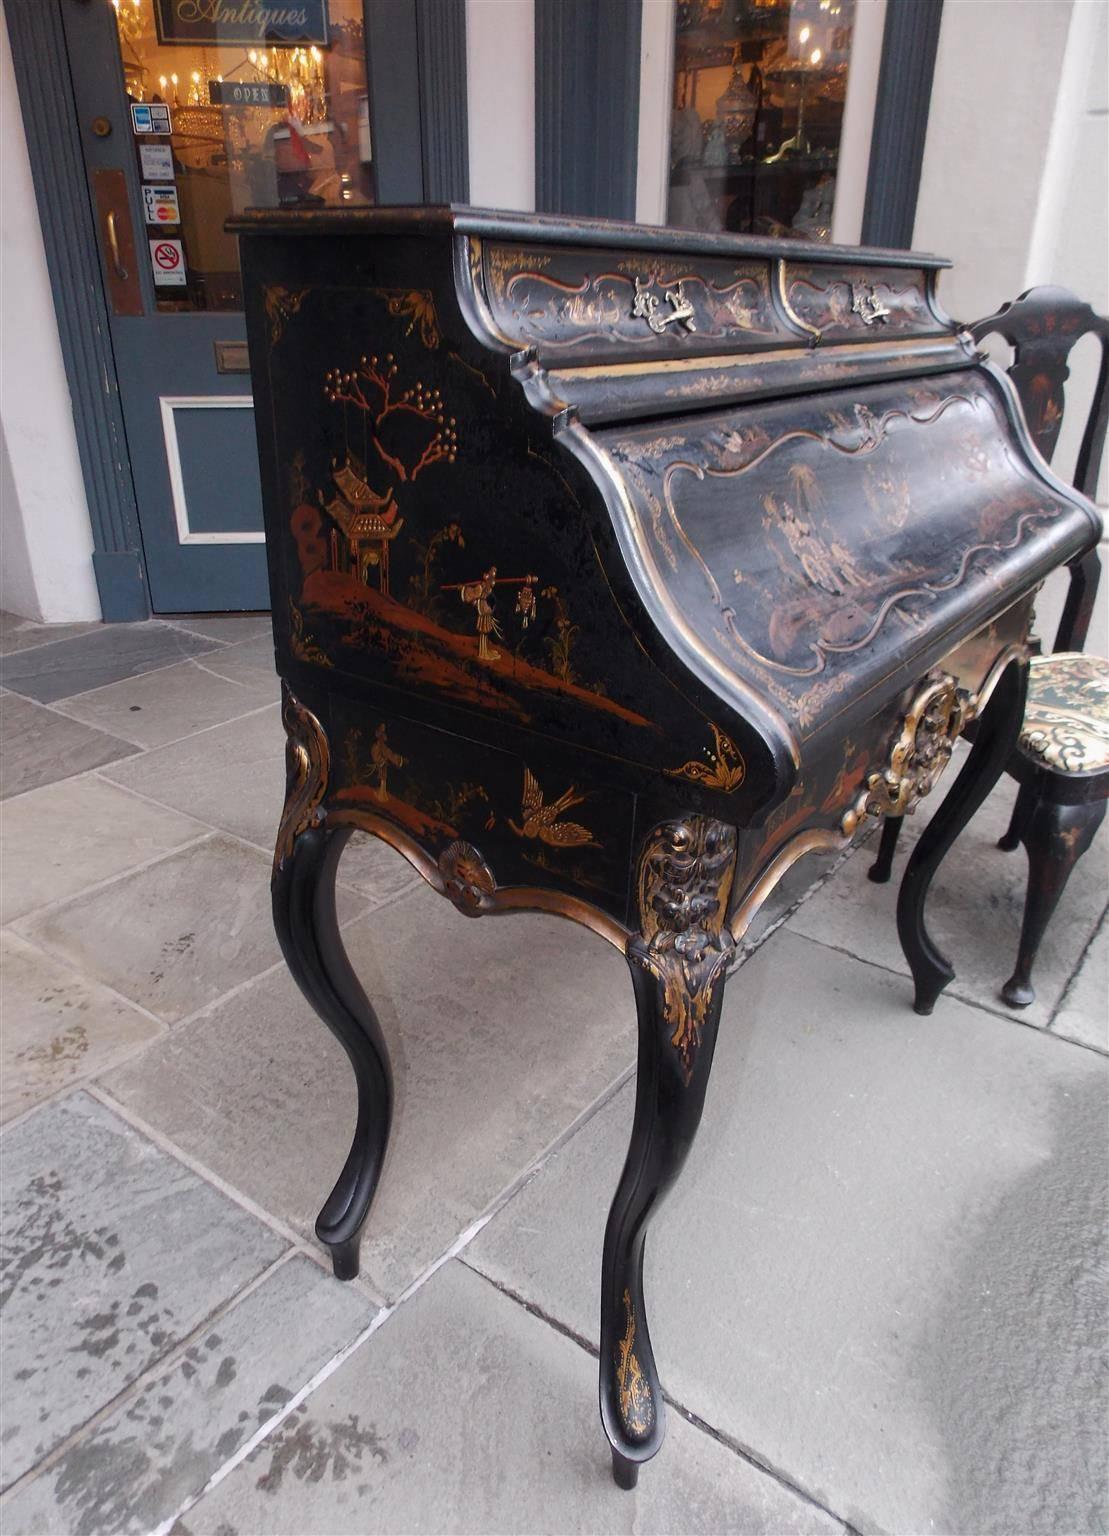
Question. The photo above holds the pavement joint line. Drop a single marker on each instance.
(967, 1002)
(179, 621)
(327, 1370)
(200, 665)
(48, 907)
(1080, 962)
(157, 1367)
(167, 1145)
(77, 693)
(94, 626)
(249, 981)
(173, 741)
(138, 794)
(736, 1447)
(132, 757)
(41, 646)
(57, 954)
(376, 905)
(98, 770)
(86, 1082)
(202, 730)
(386, 1311)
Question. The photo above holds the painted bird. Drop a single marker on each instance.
(542, 821)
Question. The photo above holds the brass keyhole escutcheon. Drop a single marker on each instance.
(101, 126)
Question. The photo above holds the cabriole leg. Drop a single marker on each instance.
(1023, 807)
(303, 891)
(1056, 837)
(679, 962)
(996, 736)
(882, 867)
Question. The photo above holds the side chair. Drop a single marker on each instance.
(1061, 761)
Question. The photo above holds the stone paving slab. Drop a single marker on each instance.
(17, 634)
(112, 1252)
(177, 934)
(58, 1027)
(882, 1268)
(106, 654)
(250, 662)
(243, 796)
(1084, 1011)
(158, 707)
(140, 1465)
(502, 1032)
(974, 911)
(465, 1414)
(38, 746)
(59, 839)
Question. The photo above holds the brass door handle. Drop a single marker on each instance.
(113, 243)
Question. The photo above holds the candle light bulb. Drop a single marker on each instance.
(252, 56)
(804, 35)
(816, 56)
(162, 82)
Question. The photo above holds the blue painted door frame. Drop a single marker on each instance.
(166, 441)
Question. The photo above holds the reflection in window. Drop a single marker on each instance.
(759, 88)
(255, 124)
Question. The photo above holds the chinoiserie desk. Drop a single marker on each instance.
(613, 569)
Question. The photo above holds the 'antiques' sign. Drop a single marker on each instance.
(270, 23)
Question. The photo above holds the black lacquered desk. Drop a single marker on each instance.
(613, 569)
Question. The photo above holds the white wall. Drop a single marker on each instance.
(46, 569)
(500, 89)
(989, 124)
(1015, 186)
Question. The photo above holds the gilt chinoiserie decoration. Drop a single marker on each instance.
(614, 569)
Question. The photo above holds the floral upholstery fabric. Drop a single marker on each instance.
(1066, 720)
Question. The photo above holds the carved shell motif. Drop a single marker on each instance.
(467, 878)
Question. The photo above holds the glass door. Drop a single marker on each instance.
(759, 88)
(190, 112)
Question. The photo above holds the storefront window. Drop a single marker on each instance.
(759, 88)
(276, 119)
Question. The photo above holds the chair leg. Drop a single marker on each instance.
(1023, 807)
(996, 736)
(679, 962)
(1056, 837)
(882, 867)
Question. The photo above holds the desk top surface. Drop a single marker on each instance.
(555, 229)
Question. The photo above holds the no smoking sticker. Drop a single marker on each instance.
(167, 258)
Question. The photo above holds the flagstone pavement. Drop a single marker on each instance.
(875, 1292)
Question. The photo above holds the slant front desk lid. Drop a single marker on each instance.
(803, 484)
(810, 547)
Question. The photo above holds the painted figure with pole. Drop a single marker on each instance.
(480, 595)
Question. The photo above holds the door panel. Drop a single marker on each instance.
(276, 119)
